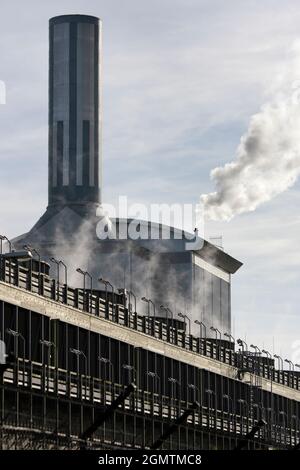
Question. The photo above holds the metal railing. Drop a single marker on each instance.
(74, 386)
(13, 273)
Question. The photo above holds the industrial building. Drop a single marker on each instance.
(189, 280)
(73, 352)
(110, 341)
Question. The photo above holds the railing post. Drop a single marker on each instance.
(53, 289)
(126, 317)
(1, 267)
(65, 296)
(153, 326)
(29, 284)
(41, 284)
(144, 324)
(17, 274)
(76, 298)
(98, 306)
(161, 330)
(116, 319)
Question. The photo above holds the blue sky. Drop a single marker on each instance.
(181, 80)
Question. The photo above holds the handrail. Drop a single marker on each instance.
(39, 283)
(97, 390)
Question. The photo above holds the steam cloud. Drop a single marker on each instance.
(267, 159)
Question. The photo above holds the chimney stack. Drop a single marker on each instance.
(75, 116)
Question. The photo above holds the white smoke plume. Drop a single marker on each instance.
(267, 159)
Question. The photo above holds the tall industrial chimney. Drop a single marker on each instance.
(75, 104)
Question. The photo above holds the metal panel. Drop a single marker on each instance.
(211, 269)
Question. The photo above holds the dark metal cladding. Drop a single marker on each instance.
(74, 110)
